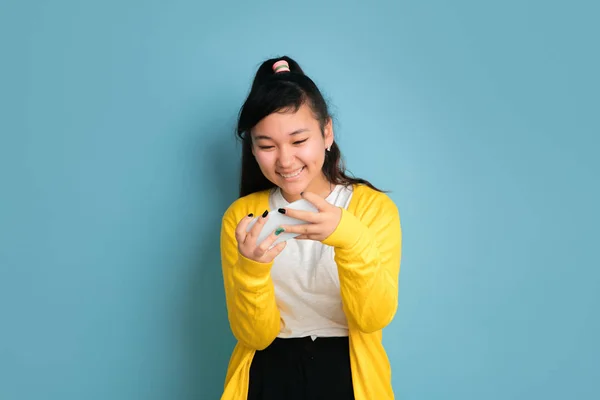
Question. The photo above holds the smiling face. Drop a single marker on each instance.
(290, 150)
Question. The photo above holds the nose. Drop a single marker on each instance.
(285, 157)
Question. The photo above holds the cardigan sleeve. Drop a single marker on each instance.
(368, 252)
(249, 291)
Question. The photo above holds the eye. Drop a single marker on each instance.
(265, 147)
(300, 141)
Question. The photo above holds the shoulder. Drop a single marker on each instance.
(373, 208)
(366, 201)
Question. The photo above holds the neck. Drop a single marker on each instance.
(320, 186)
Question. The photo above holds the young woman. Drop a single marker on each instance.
(307, 313)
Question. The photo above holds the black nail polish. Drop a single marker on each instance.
(265, 213)
(251, 215)
(281, 210)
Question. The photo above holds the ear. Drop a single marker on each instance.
(328, 135)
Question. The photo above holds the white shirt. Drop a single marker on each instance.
(307, 285)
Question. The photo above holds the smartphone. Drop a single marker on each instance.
(277, 219)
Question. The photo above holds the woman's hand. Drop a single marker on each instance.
(247, 240)
(320, 224)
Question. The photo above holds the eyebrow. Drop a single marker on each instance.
(296, 132)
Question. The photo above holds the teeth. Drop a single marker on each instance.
(292, 175)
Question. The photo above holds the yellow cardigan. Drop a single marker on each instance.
(367, 247)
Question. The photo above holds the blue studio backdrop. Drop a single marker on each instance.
(118, 159)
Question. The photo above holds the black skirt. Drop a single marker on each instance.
(302, 369)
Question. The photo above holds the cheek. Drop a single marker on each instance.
(311, 155)
(264, 159)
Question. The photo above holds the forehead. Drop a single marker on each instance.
(281, 124)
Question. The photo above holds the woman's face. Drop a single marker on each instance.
(290, 150)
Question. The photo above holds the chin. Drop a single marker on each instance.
(292, 188)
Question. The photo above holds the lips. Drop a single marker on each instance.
(291, 174)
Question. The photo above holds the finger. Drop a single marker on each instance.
(269, 240)
(257, 227)
(240, 230)
(276, 250)
(304, 229)
(302, 237)
(308, 216)
(316, 200)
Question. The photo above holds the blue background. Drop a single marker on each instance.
(118, 158)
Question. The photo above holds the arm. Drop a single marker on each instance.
(368, 258)
(249, 291)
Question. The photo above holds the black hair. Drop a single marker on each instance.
(284, 91)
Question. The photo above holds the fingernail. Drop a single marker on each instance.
(265, 213)
(278, 231)
(282, 210)
(251, 215)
